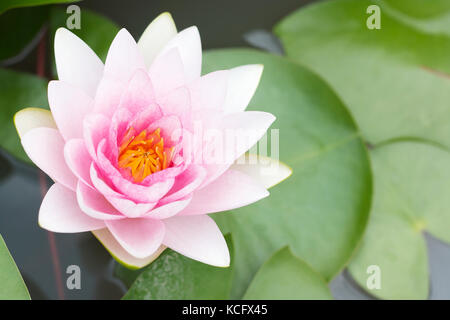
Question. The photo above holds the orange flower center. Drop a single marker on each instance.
(143, 154)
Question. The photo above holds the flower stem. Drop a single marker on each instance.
(40, 71)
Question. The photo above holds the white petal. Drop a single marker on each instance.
(124, 57)
(197, 237)
(30, 118)
(76, 63)
(231, 190)
(120, 254)
(167, 72)
(210, 90)
(69, 106)
(156, 36)
(242, 85)
(248, 127)
(190, 48)
(266, 171)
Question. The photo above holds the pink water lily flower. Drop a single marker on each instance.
(123, 147)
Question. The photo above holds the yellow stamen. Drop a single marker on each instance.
(143, 154)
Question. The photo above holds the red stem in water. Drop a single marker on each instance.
(40, 71)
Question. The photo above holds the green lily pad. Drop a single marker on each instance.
(421, 9)
(173, 276)
(321, 210)
(13, 287)
(284, 276)
(410, 197)
(395, 76)
(18, 90)
(395, 82)
(425, 15)
(9, 4)
(433, 17)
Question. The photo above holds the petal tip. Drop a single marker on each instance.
(192, 29)
(61, 31)
(30, 118)
(166, 15)
(259, 67)
(226, 262)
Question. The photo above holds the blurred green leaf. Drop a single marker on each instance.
(18, 27)
(284, 276)
(321, 210)
(411, 196)
(422, 9)
(18, 91)
(96, 30)
(397, 76)
(12, 285)
(424, 15)
(173, 276)
(9, 4)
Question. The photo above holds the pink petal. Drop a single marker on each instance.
(60, 212)
(108, 95)
(78, 159)
(140, 237)
(139, 93)
(169, 173)
(130, 208)
(177, 102)
(124, 57)
(167, 72)
(45, 147)
(149, 114)
(69, 106)
(242, 85)
(210, 90)
(94, 204)
(170, 129)
(76, 63)
(232, 190)
(119, 124)
(95, 128)
(123, 61)
(198, 238)
(168, 210)
(189, 45)
(185, 183)
(99, 183)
